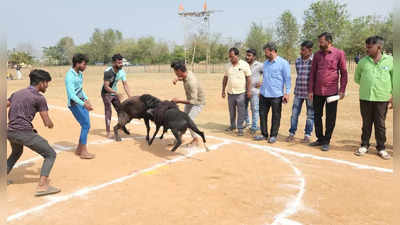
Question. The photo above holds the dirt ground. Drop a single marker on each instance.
(239, 182)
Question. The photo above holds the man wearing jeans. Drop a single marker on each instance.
(24, 104)
(274, 91)
(237, 78)
(256, 79)
(374, 74)
(324, 79)
(303, 68)
(195, 99)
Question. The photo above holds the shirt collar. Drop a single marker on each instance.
(74, 72)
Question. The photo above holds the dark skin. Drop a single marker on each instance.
(272, 55)
(42, 87)
(235, 60)
(375, 52)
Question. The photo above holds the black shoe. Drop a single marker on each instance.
(316, 143)
(325, 147)
(229, 129)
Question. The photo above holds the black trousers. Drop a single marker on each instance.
(265, 105)
(330, 119)
(373, 113)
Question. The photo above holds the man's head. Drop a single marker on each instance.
(234, 55)
(306, 49)
(117, 62)
(325, 41)
(179, 69)
(40, 79)
(251, 55)
(374, 45)
(79, 61)
(270, 50)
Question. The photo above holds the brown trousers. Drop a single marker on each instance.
(373, 113)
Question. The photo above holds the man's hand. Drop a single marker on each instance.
(88, 106)
(46, 119)
(390, 105)
(248, 94)
(175, 81)
(342, 95)
(310, 96)
(223, 94)
(285, 99)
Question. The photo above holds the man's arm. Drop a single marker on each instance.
(224, 83)
(343, 75)
(8, 103)
(108, 88)
(248, 86)
(46, 119)
(287, 82)
(357, 75)
(127, 89)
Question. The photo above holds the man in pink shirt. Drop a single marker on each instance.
(327, 64)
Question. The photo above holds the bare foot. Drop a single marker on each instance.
(195, 142)
(86, 155)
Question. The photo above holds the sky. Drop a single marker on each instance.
(43, 22)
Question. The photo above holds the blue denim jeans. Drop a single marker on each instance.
(296, 110)
(254, 105)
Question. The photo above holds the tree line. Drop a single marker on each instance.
(325, 15)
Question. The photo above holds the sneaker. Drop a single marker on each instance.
(361, 151)
(272, 140)
(384, 155)
(325, 147)
(229, 129)
(240, 133)
(259, 138)
(246, 125)
(290, 138)
(316, 143)
(307, 139)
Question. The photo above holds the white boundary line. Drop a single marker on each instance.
(280, 150)
(280, 219)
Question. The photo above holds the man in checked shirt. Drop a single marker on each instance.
(303, 69)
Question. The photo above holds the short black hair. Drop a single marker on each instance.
(308, 44)
(79, 58)
(117, 57)
(179, 65)
(271, 46)
(373, 40)
(328, 36)
(234, 50)
(252, 51)
(36, 76)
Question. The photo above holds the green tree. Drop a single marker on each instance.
(325, 16)
(16, 58)
(66, 47)
(257, 37)
(102, 44)
(287, 32)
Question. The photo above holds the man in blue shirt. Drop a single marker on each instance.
(274, 91)
(78, 102)
(109, 92)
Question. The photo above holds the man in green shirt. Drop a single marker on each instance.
(374, 74)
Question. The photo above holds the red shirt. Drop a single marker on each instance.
(324, 76)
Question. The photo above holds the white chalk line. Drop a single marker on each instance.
(280, 219)
(280, 150)
(87, 190)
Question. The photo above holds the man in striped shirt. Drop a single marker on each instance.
(303, 69)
